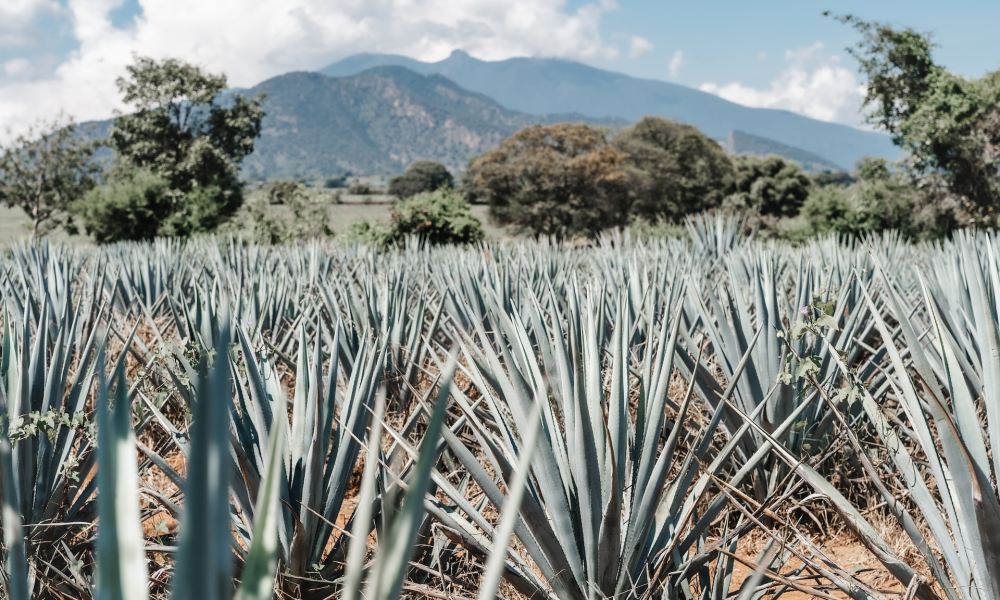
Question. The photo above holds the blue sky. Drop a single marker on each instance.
(725, 40)
(62, 56)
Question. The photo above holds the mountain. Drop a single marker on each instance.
(379, 120)
(741, 142)
(375, 122)
(545, 86)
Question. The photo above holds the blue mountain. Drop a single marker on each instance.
(543, 86)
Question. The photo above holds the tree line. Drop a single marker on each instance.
(177, 151)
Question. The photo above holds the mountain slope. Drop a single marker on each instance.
(375, 122)
(741, 142)
(546, 86)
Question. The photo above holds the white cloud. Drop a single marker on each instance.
(17, 18)
(15, 67)
(812, 83)
(251, 40)
(676, 62)
(638, 46)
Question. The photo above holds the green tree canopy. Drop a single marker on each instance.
(950, 125)
(678, 170)
(439, 217)
(127, 207)
(564, 179)
(183, 130)
(43, 171)
(421, 176)
(768, 185)
(881, 198)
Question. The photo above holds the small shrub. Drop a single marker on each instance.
(335, 183)
(421, 176)
(279, 192)
(201, 210)
(360, 188)
(125, 208)
(440, 217)
(300, 216)
(368, 232)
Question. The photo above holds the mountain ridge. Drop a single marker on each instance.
(547, 85)
(378, 121)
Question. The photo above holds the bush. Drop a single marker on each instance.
(298, 216)
(125, 208)
(441, 217)
(563, 180)
(835, 209)
(201, 210)
(335, 183)
(368, 232)
(769, 186)
(881, 199)
(359, 188)
(421, 176)
(279, 192)
(679, 170)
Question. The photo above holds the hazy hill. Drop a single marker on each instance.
(741, 142)
(375, 122)
(378, 121)
(546, 86)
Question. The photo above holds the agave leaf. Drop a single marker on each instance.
(262, 561)
(392, 561)
(122, 573)
(510, 512)
(354, 569)
(205, 555)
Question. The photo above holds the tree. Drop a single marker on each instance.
(182, 130)
(950, 125)
(421, 176)
(438, 217)
(43, 172)
(768, 185)
(679, 170)
(127, 207)
(882, 198)
(284, 212)
(563, 180)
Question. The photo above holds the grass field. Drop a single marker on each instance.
(14, 223)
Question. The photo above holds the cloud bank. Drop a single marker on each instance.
(251, 40)
(812, 83)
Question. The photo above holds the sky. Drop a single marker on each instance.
(60, 58)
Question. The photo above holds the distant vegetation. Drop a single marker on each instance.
(43, 171)
(421, 176)
(177, 155)
(438, 217)
(188, 142)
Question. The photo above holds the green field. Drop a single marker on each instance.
(14, 223)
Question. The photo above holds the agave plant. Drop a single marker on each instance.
(327, 430)
(608, 504)
(754, 297)
(939, 442)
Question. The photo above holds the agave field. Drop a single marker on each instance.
(635, 419)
